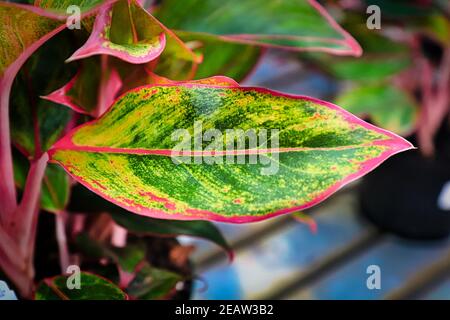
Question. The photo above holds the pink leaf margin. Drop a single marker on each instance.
(95, 44)
(350, 47)
(107, 94)
(396, 145)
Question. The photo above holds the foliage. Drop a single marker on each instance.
(102, 103)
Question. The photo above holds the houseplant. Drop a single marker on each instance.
(104, 104)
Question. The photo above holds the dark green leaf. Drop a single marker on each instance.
(92, 288)
(153, 283)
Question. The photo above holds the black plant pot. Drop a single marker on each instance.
(401, 196)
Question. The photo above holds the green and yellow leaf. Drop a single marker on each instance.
(127, 156)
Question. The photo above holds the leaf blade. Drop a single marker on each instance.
(127, 161)
(92, 288)
(310, 27)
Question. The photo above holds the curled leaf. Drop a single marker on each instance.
(92, 90)
(127, 31)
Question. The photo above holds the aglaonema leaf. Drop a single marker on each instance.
(127, 257)
(144, 225)
(234, 60)
(127, 31)
(127, 156)
(93, 88)
(36, 123)
(153, 283)
(92, 287)
(383, 57)
(85, 201)
(301, 25)
(24, 29)
(60, 6)
(384, 104)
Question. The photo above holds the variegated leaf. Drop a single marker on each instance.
(125, 156)
(127, 31)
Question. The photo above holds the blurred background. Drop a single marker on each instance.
(386, 236)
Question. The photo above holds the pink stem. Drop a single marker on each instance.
(7, 187)
(444, 81)
(17, 274)
(9, 249)
(24, 225)
(424, 130)
(435, 102)
(25, 218)
(64, 258)
(119, 236)
(12, 262)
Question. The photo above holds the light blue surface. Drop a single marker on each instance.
(398, 260)
(261, 267)
(5, 292)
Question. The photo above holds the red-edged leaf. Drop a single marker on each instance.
(140, 76)
(125, 156)
(92, 90)
(301, 25)
(127, 31)
(92, 287)
(86, 7)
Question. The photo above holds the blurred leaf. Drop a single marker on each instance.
(298, 25)
(233, 60)
(402, 9)
(153, 283)
(83, 200)
(148, 283)
(145, 225)
(439, 27)
(382, 56)
(60, 6)
(387, 106)
(366, 69)
(127, 258)
(92, 288)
